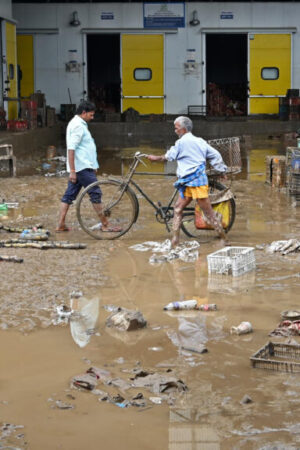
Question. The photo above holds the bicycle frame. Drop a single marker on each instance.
(165, 212)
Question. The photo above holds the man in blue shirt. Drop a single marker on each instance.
(191, 154)
(82, 165)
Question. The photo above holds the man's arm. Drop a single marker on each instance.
(156, 158)
(73, 140)
(215, 159)
(71, 159)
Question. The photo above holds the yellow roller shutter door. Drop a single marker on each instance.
(269, 54)
(142, 73)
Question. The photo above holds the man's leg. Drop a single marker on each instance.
(87, 177)
(206, 207)
(64, 207)
(99, 210)
(178, 209)
(67, 199)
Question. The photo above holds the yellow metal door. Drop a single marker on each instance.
(142, 73)
(25, 61)
(269, 71)
(11, 81)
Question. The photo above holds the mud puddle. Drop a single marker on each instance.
(40, 355)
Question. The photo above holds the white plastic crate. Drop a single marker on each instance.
(232, 261)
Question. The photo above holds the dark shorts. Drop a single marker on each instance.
(84, 178)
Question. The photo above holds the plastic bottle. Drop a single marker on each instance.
(207, 307)
(185, 304)
(3, 207)
(242, 328)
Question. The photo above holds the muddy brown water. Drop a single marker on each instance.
(39, 356)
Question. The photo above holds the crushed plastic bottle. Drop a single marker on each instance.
(207, 307)
(64, 311)
(185, 304)
(242, 328)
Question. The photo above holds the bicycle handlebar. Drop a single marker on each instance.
(138, 155)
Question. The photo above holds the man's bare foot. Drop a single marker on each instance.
(222, 235)
(61, 229)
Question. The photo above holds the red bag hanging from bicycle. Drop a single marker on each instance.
(221, 209)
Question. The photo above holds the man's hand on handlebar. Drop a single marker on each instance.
(223, 176)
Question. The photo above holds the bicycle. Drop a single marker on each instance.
(121, 205)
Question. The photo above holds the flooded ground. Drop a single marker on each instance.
(40, 354)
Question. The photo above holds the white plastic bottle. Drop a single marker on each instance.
(242, 328)
(184, 304)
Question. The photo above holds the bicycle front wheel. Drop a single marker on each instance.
(119, 206)
(188, 222)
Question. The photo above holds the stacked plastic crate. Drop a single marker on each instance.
(293, 169)
(29, 113)
(289, 106)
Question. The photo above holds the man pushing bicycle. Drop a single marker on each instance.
(191, 154)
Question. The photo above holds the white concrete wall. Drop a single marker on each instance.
(5, 9)
(51, 51)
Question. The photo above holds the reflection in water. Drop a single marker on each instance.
(184, 434)
(84, 319)
(228, 283)
(256, 164)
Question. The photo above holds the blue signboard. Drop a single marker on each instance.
(164, 15)
(107, 16)
(226, 15)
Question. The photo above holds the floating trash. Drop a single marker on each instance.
(242, 328)
(186, 251)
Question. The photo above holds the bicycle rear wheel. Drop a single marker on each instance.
(121, 209)
(188, 222)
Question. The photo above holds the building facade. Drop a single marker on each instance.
(173, 58)
(8, 55)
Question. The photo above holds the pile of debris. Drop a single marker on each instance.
(165, 386)
(187, 251)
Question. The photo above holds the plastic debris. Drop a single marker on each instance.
(287, 328)
(126, 320)
(186, 251)
(98, 226)
(84, 318)
(156, 400)
(35, 234)
(64, 311)
(111, 308)
(242, 328)
(76, 294)
(164, 384)
(59, 173)
(185, 304)
(246, 399)
(12, 205)
(207, 307)
(63, 405)
(284, 247)
(158, 383)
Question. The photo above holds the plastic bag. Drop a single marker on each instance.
(222, 211)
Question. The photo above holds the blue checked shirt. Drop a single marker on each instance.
(80, 139)
(190, 152)
(197, 178)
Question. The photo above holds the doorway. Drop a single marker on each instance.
(103, 59)
(226, 74)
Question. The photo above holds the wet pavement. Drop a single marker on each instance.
(41, 354)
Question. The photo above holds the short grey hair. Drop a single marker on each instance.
(185, 122)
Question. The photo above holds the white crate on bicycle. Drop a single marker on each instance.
(233, 261)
